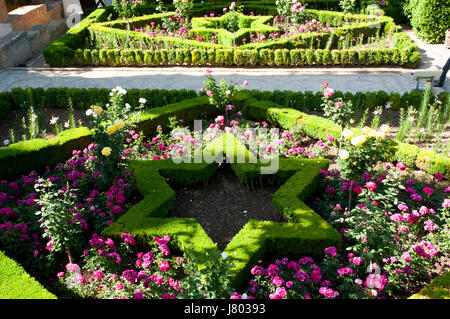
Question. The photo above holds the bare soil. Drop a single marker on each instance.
(224, 206)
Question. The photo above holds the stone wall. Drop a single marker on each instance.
(19, 46)
(23, 18)
(4, 17)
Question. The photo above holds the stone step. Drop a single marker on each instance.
(5, 28)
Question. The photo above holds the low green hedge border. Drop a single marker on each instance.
(18, 98)
(16, 283)
(319, 127)
(438, 289)
(303, 233)
(15, 159)
(113, 32)
(67, 50)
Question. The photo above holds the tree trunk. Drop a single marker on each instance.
(350, 196)
(69, 255)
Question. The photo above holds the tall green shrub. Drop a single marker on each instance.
(430, 19)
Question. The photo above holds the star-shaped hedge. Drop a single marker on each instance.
(303, 233)
(205, 28)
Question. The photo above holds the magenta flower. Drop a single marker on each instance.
(316, 276)
(328, 92)
(119, 286)
(328, 292)
(331, 251)
(371, 186)
(277, 281)
(98, 274)
(345, 271)
(357, 261)
(164, 266)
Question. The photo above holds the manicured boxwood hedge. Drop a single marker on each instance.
(438, 289)
(16, 158)
(319, 127)
(304, 233)
(58, 97)
(16, 283)
(69, 51)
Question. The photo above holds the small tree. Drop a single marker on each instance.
(60, 218)
(232, 20)
(125, 9)
(220, 95)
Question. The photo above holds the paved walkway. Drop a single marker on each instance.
(347, 80)
(433, 55)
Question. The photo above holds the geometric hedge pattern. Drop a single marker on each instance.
(304, 232)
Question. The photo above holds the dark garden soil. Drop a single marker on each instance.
(224, 206)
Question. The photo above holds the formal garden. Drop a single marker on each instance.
(227, 192)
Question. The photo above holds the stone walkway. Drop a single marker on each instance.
(347, 80)
(434, 56)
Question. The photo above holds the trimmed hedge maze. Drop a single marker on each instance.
(303, 233)
(15, 283)
(109, 42)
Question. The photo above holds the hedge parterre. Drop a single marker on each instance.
(90, 202)
(68, 50)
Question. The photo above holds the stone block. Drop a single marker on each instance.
(23, 18)
(5, 28)
(4, 17)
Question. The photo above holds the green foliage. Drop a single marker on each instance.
(15, 283)
(58, 217)
(438, 289)
(100, 32)
(430, 19)
(111, 126)
(306, 233)
(360, 153)
(212, 281)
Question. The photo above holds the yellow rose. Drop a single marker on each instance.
(380, 135)
(98, 110)
(359, 140)
(106, 151)
(111, 129)
(344, 154)
(347, 134)
(385, 128)
(119, 124)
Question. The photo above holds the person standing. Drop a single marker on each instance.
(444, 74)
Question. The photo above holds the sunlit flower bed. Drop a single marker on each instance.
(395, 227)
